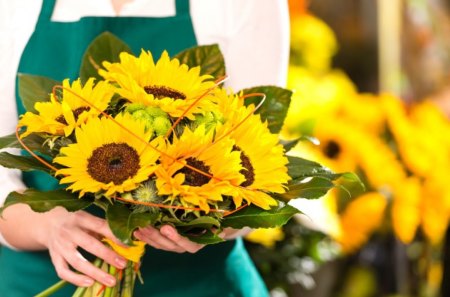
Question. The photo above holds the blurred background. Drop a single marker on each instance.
(371, 83)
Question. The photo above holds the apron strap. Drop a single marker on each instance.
(46, 11)
(182, 7)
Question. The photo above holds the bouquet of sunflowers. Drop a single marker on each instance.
(155, 143)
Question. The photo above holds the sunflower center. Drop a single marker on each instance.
(80, 110)
(61, 120)
(248, 171)
(162, 92)
(113, 162)
(332, 149)
(192, 177)
(76, 114)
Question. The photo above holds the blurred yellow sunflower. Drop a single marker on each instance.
(218, 162)
(108, 158)
(262, 157)
(266, 236)
(166, 84)
(360, 218)
(406, 208)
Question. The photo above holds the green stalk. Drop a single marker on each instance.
(127, 289)
(51, 290)
(82, 291)
(109, 290)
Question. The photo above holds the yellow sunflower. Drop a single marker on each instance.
(61, 117)
(166, 84)
(196, 149)
(262, 157)
(360, 218)
(82, 102)
(108, 158)
(49, 119)
(406, 208)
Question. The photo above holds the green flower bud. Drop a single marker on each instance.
(161, 125)
(155, 112)
(133, 107)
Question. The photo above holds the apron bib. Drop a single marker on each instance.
(55, 50)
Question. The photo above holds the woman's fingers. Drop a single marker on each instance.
(183, 242)
(154, 238)
(167, 238)
(96, 225)
(93, 246)
(64, 272)
(79, 263)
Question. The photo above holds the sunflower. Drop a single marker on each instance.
(82, 102)
(218, 162)
(166, 84)
(263, 161)
(49, 119)
(107, 158)
(77, 104)
(406, 208)
(361, 217)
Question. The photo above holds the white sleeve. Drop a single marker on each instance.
(17, 21)
(252, 34)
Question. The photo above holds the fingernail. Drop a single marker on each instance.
(110, 281)
(88, 282)
(121, 262)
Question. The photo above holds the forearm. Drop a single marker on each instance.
(23, 228)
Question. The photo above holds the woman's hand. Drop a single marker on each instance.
(62, 233)
(168, 239)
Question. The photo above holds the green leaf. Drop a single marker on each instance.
(299, 168)
(34, 88)
(208, 57)
(106, 47)
(255, 217)
(289, 144)
(24, 163)
(274, 108)
(312, 188)
(201, 222)
(33, 141)
(208, 237)
(41, 201)
(123, 221)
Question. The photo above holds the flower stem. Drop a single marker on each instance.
(51, 290)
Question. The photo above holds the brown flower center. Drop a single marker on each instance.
(162, 92)
(192, 177)
(113, 162)
(248, 171)
(76, 114)
(332, 149)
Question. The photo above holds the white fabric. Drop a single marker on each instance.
(252, 34)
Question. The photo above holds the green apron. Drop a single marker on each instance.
(55, 50)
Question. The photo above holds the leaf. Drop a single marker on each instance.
(208, 57)
(106, 47)
(123, 221)
(41, 201)
(24, 163)
(312, 188)
(33, 141)
(35, 88)
(208, 237)
(289, 144)
(255, 217)
(274, 108)
(299, 168)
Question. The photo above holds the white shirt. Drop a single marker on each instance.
(253, 36)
